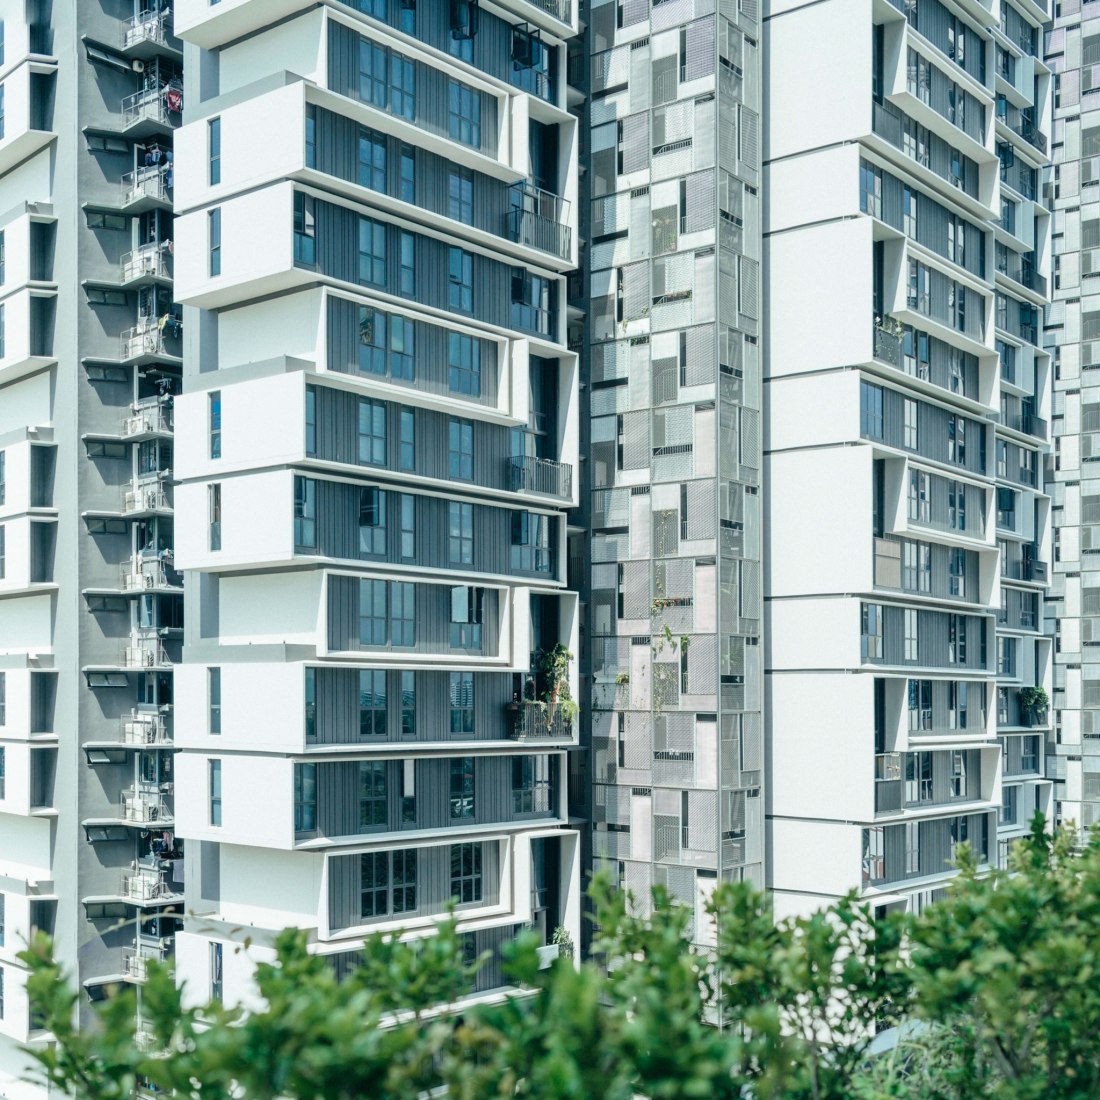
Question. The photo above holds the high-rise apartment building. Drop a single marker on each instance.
(1073, 328)
(906, 254)
(378, 449)
(90, 603)
(674, 180)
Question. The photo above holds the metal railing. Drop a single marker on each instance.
(144, 807)
(1021, 123)
(147, 183)
(145, 885)
(149, 26)
(139, 574)
(560, 9)
(148, 338)
(145, 498)
(146, 419)
(142, 728)
(887, 346)
(150, 259)
(541, 721)
(536, 230)
(144, 654)
(536, 799)
(541, 475)
(149, 105)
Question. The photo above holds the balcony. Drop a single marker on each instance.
(149, 264)
(145, 806)
(1020, 122)
(541, 475)
(888, 783)
(1020, 419)
(541, 722)
(146, 421)
(535, 799)
(887, 122)
(151, 111)
(537, 221)
(147, 885)
(152, 338)
(145, 574)
(147, 33)
(145, 728)
(136, 962)
(561, 10)
(145, 653)
(1020, 269)
(145, 498)
(1026, 569)
(146, 188)
(887, 345)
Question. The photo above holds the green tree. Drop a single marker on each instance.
(992, 987)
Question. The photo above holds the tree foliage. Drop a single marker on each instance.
(992, 988)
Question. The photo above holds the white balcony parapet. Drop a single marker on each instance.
(148, 260)
(150, 182)
(144, 806)
(143, 728)
(148, 26)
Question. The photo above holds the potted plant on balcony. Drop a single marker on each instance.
(1033, 705)
(557, 699)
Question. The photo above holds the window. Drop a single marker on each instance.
(387, 613)
(2, 919)
(406, 190)
(305, 513)
(530, 301)
(372, 521)
(460, 449)
(214, 509)
(466, 873)
(217, 984)
(958, 771)
(406, 272)
(467, 612)
(408, 704)
(402, 358)
(531, 542)
(214, 149)
(214, 403)
(214, 236)
(214, 787)
(920, 705)
(460, 533)
(311, 421)
(956, 239)
(387, 883)
(918, 777)
(462, 703)
(372, 160)
(1006, 657)
(464, 114)
(909, 212)
(1029, 754)
(872, 631)
(910, 625)
(372, 73)
(311, 136)
(408, 525)
(305, 230)
(956, 639)
(920, 504)
(3, 551)
(372, 703)
(372, 795)
(870, 189)
(464, 364)
(956, 506)
(957, 573)
(311, 704)
(305, 798)
(462, 787)
(3, 256)
(916, 566)
(910, 435)
(402, 86)
(460, 195)
(870, 410)
(460, 280)
(372, 340)
(214, 695)
(3, 698)
(372, 252)
(372, 432)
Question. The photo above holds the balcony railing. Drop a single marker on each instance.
(148, 336)
(1025, 569)
(147, 183)
(887, 346)
(541, 721)
(142, 728)
(535, 230)
(541, 475)
(148, 420)
(1026, 422)
(144, 806)
(1021, 123)
(1021, 269)
(139, 574)
(559, 9)
(149, 26)
(150, 105)
(144, 654)
(151, 260)
(536, 799)
(146, 885)
(145, 498)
